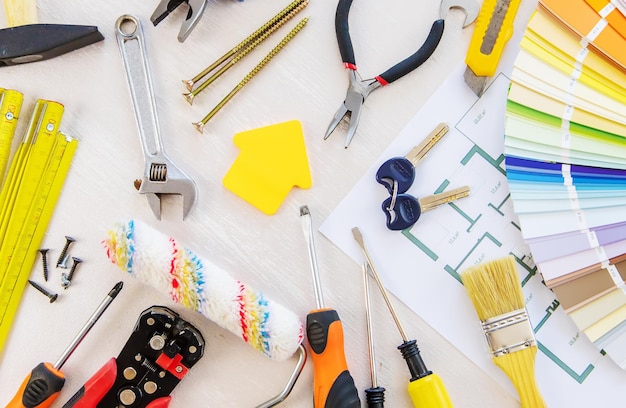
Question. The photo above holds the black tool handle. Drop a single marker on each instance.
(343, 32)
(425, 51)
(375, 397)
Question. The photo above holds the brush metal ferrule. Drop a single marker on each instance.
(509, 332)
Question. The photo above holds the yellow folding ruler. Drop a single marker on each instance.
(27, 199)
(10, 106)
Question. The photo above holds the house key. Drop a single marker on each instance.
(403, 210)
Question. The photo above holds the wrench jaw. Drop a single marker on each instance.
(470, 7)
(171, 180)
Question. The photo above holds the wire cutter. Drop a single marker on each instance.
(165, 7)
(359, 89)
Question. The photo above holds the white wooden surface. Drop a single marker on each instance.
(307, 82)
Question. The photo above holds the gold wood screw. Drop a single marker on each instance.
(189, 97)
(275, 22)
(200, 125)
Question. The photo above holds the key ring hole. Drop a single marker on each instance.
(127, 25)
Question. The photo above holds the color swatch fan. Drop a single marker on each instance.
(565, 148)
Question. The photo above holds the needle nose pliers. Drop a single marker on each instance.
(359, 89)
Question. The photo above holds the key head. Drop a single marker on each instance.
(399, 169)
(404, 214)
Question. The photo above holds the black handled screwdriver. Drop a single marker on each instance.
(375, 395)
(426, 388)
(333, 386)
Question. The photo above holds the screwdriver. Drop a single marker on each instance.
(375, 395)
(425, 388)
(45, 381)
(333, 386)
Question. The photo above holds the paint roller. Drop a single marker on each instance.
(196, 283)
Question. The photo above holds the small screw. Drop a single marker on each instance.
(67, 278)
(44, 260)
(51, 296)
(62, 256)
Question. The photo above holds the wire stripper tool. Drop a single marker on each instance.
(159, 353)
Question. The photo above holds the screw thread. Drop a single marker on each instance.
(51, 296)
(44, 261)
(285, 14)
(273, 52)
(73, 268)
(68, 241)
(200, 125)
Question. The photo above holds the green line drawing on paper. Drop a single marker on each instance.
(549, 310)
(527, 266)
(579, 378)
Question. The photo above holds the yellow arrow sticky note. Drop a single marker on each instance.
(271, 162)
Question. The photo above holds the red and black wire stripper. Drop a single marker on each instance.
(156, 357)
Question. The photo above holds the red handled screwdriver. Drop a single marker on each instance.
(333, 386)
(45, 381)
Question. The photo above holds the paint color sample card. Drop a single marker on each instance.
(421, 264)
(565, 139)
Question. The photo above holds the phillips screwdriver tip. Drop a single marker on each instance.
(116, 289)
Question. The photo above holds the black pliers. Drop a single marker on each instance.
(359, 89)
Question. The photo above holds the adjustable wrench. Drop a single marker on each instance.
(161, 175)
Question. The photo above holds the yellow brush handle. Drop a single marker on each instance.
(481, 58)
(429, 392)
(20, 12)
(519, 366)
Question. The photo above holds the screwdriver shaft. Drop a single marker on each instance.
(307, 226)
(92, 320)
(370, 334)
(359, 239)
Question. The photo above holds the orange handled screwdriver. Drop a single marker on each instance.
(45, 381)
(333, 386)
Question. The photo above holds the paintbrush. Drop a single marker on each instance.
(495, 291)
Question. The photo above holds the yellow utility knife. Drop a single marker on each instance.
(494, 28)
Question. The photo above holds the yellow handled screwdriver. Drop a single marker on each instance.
(333, 386)
(426, 388)
(44, 383)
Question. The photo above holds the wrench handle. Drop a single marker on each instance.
(131, 43)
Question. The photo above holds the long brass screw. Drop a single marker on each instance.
(277, 19)
(189, 97)
(200, 125)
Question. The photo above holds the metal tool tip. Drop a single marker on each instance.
(116, 289)
(356, 233)
(304, 210)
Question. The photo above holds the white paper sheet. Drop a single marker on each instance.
(421, 265)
